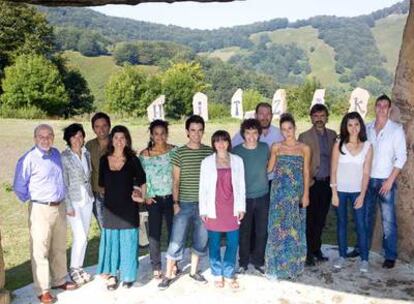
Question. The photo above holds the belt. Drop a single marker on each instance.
(53, 204)
(322, 179)
(164, 196)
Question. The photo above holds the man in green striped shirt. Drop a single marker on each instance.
(186, 175)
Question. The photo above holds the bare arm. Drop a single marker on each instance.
(272, 159)
(365, 179)
(176, 187)
(334, 168)
(306, 175)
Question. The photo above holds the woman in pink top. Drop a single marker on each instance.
(222, 205)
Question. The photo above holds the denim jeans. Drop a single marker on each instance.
(257, 212)
(223, 267)
(342, 221)
(98, 208)
(389, 221)
(187, 216)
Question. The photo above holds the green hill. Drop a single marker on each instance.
(321, 56)
(388, 35)
(97, 71)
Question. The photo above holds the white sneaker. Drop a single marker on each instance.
(363, 266)
(339, 263)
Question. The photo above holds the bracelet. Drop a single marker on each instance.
(332, 185)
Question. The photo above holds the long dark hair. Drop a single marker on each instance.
(128, 151)
(344, 134)
(158, 123)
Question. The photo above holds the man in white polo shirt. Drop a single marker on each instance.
(390, 154)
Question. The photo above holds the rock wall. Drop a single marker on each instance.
(403, 95)
(102, 2)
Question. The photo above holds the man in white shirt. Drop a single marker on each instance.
(270, 133)
(390, 154)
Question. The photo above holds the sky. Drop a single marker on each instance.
(215, 15)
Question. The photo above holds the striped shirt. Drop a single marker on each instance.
(189, 162)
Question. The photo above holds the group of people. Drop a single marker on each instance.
(265, 191)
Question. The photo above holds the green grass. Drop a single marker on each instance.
(97, 71)
(388, 35)
(224, 54)
(13, 215)
(322, 59)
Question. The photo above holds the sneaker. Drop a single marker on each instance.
(242, 270)
(75, 275)
(310, 261)
(260, 270)
(339, 263)
(198, 277)
(353, 254)
(320, 257)
(388, 264)
(363, 266)
(165, 283)
(127, 285)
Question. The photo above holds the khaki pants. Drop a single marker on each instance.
(47, 225)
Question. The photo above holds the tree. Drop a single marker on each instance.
(180, 82)
(34, 81)
(23, 31)
(128, 92)
(299, 98)
(91, 44)
(251, 98)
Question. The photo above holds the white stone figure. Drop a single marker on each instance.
(200, 105)
(359, 102)
(237, 104)
(318, 97)
(156, 109)
(279, 103)
(249, 114)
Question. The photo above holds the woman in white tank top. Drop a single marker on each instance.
(350, 168)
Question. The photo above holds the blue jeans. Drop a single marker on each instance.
(186, 217)
(98, 208)
(389, 221)
(342, 222)
(226, 267)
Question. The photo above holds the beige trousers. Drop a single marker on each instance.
(47, 225)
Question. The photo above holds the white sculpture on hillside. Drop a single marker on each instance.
(359, 102)
(156, 109)
(200, 105)
(279, 103)
(318, 97)
(237, 104)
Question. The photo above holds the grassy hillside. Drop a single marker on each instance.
(97, 71)
(321, 56)
(388, 35)
(224, 54)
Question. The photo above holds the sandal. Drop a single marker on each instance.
(85, 276)
(75, 275)
(111, 283)
(234, 284)
(158, 274)
(219, 283)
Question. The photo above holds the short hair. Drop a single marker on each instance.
(263, 104)
(100, 115)
(72, 130)
(220, 135)
(43, 126)
(319, 108)
(383, 97)
(194, 119)
(250, 124)
(287, 117)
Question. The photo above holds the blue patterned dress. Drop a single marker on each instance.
(286, 244)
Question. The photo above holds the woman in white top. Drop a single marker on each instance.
(350, 169)
(76, 163)
(222, 204)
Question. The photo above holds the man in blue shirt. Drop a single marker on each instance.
(39, 180)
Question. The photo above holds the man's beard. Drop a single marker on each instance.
(266, 126)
